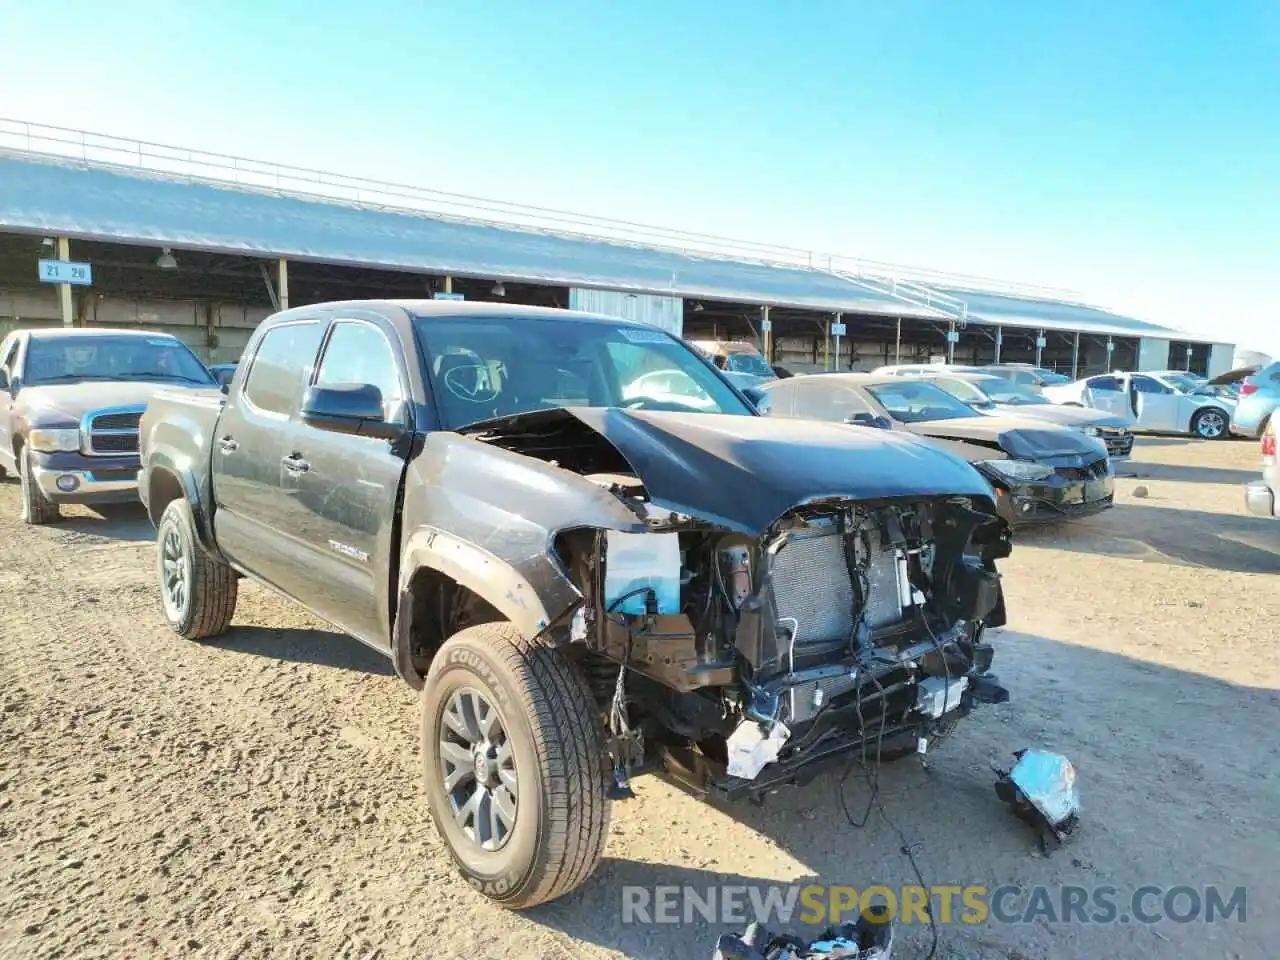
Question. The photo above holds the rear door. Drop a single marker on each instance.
(1154, 405)
(344, 488)
(250, 502)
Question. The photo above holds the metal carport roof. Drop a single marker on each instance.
(113, 203)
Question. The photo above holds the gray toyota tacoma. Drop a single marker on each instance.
(588, 552)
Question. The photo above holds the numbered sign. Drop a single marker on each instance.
(64, 271)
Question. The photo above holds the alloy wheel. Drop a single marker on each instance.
(1211, 424)
(478, 769)
(174, 576)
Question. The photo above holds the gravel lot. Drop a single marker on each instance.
(260, 796)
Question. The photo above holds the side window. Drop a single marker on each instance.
(781, 399)
(1103, 383)
(281, 365)
(359, 353)
(820, 402)
(1147, 385)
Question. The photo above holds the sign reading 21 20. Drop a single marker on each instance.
(64, 271)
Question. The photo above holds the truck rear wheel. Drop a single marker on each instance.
(516, 765)
(36, 509)
(197, 590)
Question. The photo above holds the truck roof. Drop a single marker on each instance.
(460, 308)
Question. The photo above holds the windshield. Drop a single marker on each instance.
(68, 359)
(916, 402)
(1016, 394)
(495, 367)
(748, 363)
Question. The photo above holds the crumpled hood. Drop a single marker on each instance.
(1021, 438)
(745, 472)
(66, 403)
(1061, 414)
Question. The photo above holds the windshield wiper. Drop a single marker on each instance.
(68, 378)
(159, 376)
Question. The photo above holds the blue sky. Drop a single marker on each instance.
(1130, 151)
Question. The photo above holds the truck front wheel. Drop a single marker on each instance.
(197, 590)
(516, 765)
(36, 508)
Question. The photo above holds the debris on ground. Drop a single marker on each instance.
(869, 938)
(1042, 790)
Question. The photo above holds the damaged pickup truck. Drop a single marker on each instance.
(583, 579)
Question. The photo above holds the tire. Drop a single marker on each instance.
(209, 586)
(36, 509)
(1210, 423)
(546, 737)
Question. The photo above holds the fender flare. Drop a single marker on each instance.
(161, 463)
(485, 574)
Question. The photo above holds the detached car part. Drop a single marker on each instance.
(1041, 789)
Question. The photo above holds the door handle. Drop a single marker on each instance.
(295, 464)
(228, 445)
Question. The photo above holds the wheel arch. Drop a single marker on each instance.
(167, 481)
(443, 576)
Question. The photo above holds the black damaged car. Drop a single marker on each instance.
(588, 552)
(1040, 472)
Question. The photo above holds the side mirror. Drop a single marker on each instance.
(351, 408)
(759, 398)
(4, 380)
(867, 419)
(225, 386)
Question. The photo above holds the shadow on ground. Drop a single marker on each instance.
(1192, 803)
(126, 522)
(1168, 535)
(320, 647)
(1182, 474)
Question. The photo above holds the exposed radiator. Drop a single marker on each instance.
(811, 584)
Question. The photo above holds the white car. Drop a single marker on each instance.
(1154, 403)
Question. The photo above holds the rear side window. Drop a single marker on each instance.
(817, 401)
(1104, 383)
(281, 365)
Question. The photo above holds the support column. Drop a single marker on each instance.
(448, 283)
(64, 289)
(999, 342)
(897, 344)
(766, 334)
(282, 282)
(1039, 347)
(952, 334)
(1075, 358)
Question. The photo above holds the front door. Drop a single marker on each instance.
(1154, 405)
(344, 487)
(1108, 393)
(248, 450)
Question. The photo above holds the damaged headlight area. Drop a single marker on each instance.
(740, 662)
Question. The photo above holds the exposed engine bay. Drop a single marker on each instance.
(749, 658)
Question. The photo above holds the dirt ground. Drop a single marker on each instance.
(260, 796)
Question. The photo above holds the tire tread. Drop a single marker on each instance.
(572, 760)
